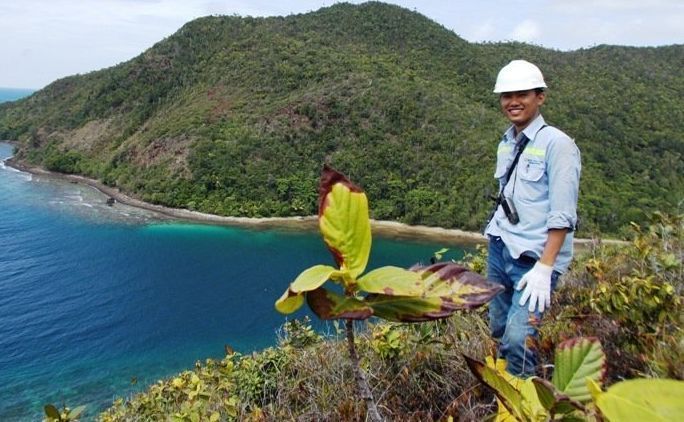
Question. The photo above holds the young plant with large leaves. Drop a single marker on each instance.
(421, 293)
(535, 399)
(574, 392)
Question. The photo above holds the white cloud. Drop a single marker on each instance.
(483, 32)
(526, 31)
(43, 40)
(599, 6)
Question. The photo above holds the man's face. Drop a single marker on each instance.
(521, 107)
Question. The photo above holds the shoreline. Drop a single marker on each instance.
(388, 229)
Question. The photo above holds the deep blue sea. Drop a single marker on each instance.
(92, 296)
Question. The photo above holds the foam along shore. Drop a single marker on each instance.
(387, 229)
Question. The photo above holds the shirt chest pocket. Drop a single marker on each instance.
(532, 175)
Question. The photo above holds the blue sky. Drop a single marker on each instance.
(43, 40)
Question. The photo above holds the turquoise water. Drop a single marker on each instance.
(11, 94)
(93, 296)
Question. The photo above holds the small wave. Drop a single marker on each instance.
(85, 204)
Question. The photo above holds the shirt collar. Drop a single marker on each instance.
(530, 131)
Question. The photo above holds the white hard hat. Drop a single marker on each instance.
(519, 75)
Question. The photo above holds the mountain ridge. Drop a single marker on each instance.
(235, 116)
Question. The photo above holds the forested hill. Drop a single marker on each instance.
(235, 116)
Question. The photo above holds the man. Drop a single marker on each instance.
(531, 231)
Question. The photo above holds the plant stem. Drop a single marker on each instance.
(361, 382)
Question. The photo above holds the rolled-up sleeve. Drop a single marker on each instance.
(563, 168)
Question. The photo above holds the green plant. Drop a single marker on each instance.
(300, 333)
(52, 414)
(641, 400)
(477, 262)
(389, 341)
(391, 293)
(537, 399)
(575, 392)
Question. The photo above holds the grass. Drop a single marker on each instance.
(417, 371)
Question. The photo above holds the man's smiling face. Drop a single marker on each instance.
(521, 107)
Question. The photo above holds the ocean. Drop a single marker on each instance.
(11, 94)
(94, 297)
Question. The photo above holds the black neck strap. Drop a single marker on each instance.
(521, 148)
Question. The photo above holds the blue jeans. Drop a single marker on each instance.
(512, 325)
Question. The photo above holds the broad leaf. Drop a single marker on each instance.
(312, 278)
(463, 289)
(553, 400)
(643, 400)
(446, 288)
(505, 392)
(576, 360)
(344, 222)
(392, 281)
(76, 413)
(545, 392)
(502, 414)
(330, 305)
(531, 404)
(52, 412)
(289, 302)
(408, 308)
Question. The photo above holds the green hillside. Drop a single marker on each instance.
(235, 116)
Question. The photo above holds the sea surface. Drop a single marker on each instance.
(99, 302)
(11, 94)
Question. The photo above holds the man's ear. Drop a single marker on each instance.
(541, 97)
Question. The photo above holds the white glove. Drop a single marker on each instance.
(537, 284)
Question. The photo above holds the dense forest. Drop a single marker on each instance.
(236, 115)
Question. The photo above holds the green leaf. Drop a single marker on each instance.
(509, 395)
(643, 400)
(545, 392)
(553, 400)
(531, 404)
(330, 305)
(392, 281)
(456, 285)
(440, 253)
(76, 413)
(289, 302)
(344, 222)
(407, 308)
(52, 413)
(446, 288)
(312, 278)
(578, 359)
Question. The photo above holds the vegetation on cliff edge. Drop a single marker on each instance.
(235, 116)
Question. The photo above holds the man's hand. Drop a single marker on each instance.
(537, 284)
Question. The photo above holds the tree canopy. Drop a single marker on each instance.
(236, 116)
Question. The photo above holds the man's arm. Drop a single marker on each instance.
(554, 241)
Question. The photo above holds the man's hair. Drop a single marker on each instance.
(539, 90)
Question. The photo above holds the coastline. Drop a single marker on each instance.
(387, 229)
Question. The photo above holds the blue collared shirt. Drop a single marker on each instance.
(544, 188)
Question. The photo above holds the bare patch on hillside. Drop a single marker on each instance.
(91, 136)
(169, 151)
